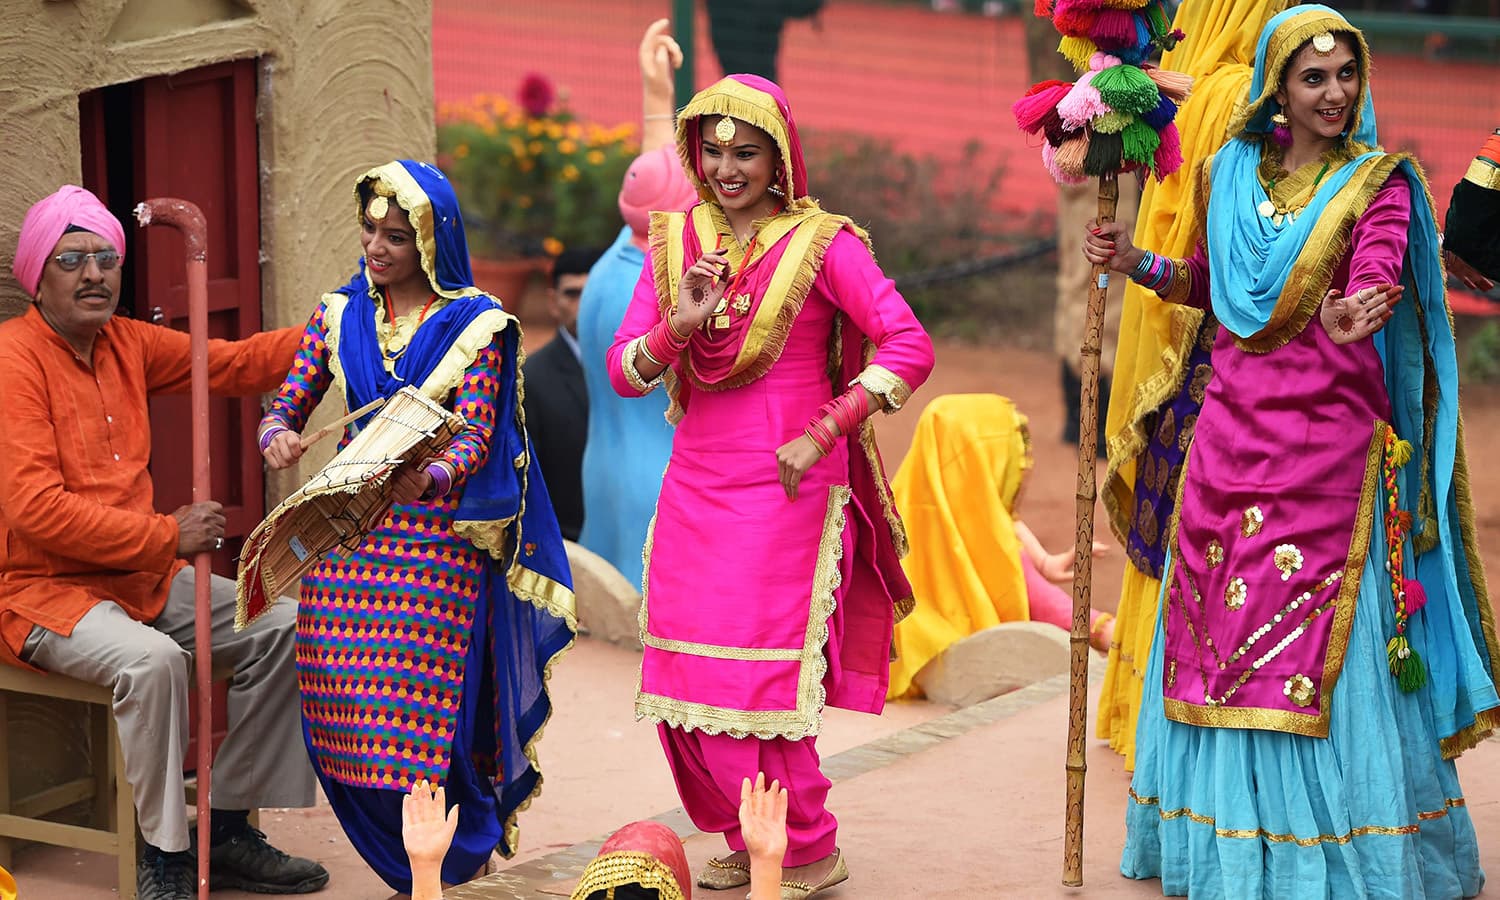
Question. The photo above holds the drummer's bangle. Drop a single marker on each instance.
(269, 435)
(442, 480)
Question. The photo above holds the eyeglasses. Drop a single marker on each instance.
(71, 260)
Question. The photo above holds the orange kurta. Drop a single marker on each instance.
(76, 520)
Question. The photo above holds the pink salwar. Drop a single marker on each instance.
(707, 770)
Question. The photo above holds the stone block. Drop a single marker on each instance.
(608, 604)
(995, 661)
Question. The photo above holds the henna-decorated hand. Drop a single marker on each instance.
(700, 291)
(1356, 317)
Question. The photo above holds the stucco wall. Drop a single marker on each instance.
(343, 85)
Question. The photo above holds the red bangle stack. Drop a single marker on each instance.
(663, 342)
(847, 410)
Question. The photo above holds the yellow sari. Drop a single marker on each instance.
(1156, 338)
(957, 490)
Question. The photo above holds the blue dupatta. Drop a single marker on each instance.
(504, 509)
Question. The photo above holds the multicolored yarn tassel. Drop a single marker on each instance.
(1118, 115)
(1404, 662)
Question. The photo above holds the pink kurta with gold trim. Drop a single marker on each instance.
(759, 609)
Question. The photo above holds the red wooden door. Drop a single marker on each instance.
(197, 141)
(191, 135)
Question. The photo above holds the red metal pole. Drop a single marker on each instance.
(187, 218)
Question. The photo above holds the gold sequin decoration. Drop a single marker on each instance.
(1235, 593)
(1288, 559)
(1251, 521)
(1172, 673)
(1214, 555)
(1299, 689)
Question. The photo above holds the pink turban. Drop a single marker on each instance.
(46, 221)
(655, 180)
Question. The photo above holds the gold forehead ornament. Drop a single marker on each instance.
(379, 207)
(1323, 44)
(724, 131)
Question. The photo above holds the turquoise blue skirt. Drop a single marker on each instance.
(1373, 811)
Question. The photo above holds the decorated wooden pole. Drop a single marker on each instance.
(1117, 117)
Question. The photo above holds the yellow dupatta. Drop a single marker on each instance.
(957, 490)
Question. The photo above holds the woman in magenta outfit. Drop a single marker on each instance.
(1326, 645)
(773, 578)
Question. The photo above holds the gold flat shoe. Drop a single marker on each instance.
(721, 875)
(799, 890)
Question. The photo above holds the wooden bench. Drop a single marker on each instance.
(23, 818)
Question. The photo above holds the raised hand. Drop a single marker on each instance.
(763, 819)
(1356, 317)
(700, 291)
(659, 56)
(427, 833)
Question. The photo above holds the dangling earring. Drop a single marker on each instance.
(1281, 134)
(776, 187)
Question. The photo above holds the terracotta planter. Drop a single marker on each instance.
(509, 279)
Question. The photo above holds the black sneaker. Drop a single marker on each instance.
(170, 876)
(246, 862)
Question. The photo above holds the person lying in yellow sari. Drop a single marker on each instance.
(973, 563)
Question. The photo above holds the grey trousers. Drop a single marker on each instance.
(262, 761)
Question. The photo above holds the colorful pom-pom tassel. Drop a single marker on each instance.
(1401, 453)
(1175, 86)
(1416, 595)
(1113, 29)
(1106, 154)
(1405, 664)
(1125, 4)
(1111, 122)
(1127, 89)
(1049, 159)
(1070, 155)
(1139, 142)
(1054, 129)
(1071, 20)
(1032, 110)
(1101, 61)
(1164, 113)
(1043, 8)
(1168, 158)
(1077, 50)
(1143, 48)
(1082, 103)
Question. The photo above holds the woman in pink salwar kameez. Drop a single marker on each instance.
(772, 571)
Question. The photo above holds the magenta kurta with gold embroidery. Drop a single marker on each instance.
(758, 608)
(1271, 537)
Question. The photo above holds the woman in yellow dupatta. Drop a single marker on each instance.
(973, 563)
(1163, 349)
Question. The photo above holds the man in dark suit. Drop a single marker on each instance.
(557, 402)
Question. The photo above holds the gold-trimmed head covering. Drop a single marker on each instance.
(648, 854)
(754, 101)
(1282, 37)
(424, 192)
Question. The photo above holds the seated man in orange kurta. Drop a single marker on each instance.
(92, 580)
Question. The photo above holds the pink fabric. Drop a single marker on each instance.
(709, 769)
(655, 181)
(723, 481)
(45, 223)
(658, 841)
(1048, 602)
(1288, 432)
